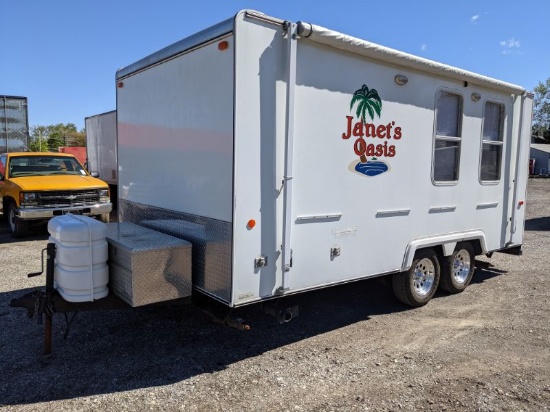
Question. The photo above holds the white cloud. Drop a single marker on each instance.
(510, 43)
(476, 18)
(510, 46)
(424, 47)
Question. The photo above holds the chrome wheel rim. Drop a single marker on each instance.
(461, 266)
(423, 277)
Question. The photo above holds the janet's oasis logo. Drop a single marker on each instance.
(373, 143)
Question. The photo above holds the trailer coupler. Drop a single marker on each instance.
(37, 304)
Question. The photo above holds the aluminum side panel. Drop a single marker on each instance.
(175, 133)
(211, 240)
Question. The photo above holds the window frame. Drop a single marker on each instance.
(492, 142)
(436, 137)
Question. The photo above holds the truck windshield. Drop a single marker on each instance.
(43, 166)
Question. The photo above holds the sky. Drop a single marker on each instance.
(63, 54)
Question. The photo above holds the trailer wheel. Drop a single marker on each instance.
(18, 227)
(457, 270)
(417, 286)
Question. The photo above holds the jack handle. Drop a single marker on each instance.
(32, 275)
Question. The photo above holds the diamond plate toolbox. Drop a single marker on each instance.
(147, 266)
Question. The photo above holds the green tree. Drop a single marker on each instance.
(50, 138)
(541, 110)
(368, 100)
(38, 139)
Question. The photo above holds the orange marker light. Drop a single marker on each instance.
(223, 45)
(251, 223)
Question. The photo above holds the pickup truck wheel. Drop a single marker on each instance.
(457, 270)
(416, 286)
(104, 218)
(18, 227)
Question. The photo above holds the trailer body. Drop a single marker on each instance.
(101, 147)
(293, 157)
(14, 124)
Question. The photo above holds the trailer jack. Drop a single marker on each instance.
(40, 303)
(43, 304)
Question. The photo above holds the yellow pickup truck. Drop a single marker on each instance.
(37, 186)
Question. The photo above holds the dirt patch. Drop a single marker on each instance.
(353, 348)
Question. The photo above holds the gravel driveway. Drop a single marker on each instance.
(353, 348)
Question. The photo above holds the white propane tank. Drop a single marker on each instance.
(81, 273)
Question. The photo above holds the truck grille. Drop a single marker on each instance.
(66, 198)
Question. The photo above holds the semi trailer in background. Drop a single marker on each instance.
(14, 124)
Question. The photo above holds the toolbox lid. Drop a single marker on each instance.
(138, 238)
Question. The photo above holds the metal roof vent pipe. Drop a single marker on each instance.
(304, 29)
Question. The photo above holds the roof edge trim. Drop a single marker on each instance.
(352, 44)
(178, 47)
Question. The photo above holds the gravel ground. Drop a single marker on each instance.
(353, 348)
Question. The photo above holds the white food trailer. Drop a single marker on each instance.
(292, 157)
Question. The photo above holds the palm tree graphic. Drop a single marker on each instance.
(369, 102)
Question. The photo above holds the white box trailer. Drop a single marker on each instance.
(294, 157)
(101, 147)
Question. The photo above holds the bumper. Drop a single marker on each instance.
(46, 213)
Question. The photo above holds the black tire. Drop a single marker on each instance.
(457, 270)
(4, 217)
(416, 286)
(18, 227)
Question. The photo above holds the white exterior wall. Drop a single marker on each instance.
(175, 138)
(371, 238)
(101, 146)
(259, 152)
(524, 106)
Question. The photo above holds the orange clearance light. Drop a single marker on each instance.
(251, 223)
(223, 45)
(120, 85)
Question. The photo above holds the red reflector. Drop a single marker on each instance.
(223, 45)
(520, 203)
(120, 85)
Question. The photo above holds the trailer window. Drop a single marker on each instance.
(446, 158)
(491, 146)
